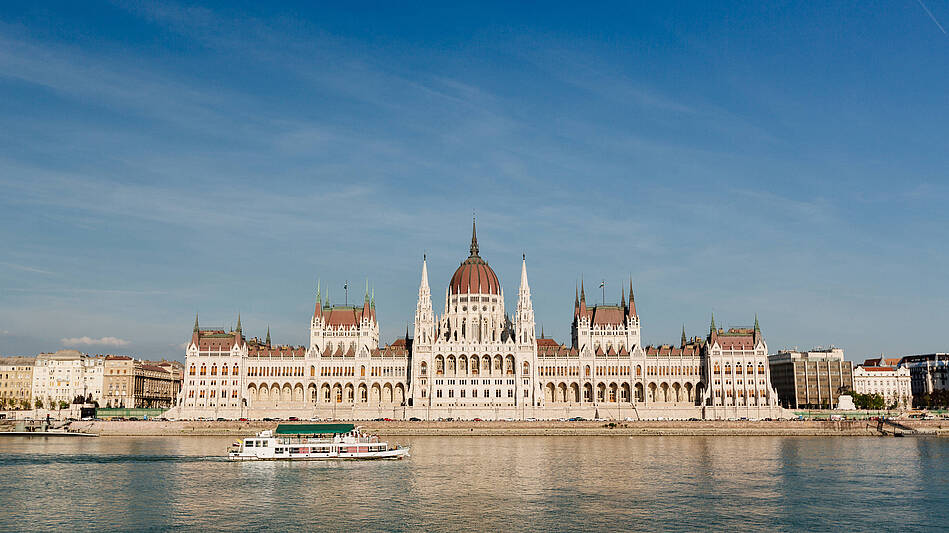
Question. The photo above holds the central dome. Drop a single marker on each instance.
(474, 276)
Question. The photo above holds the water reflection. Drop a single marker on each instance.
(480, 483)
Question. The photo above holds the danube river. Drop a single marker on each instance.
(483, 483)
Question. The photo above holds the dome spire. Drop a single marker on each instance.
(474, 238)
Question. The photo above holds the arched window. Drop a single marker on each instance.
(223, 370)
(423, 369)
(191, 371)
(236, 370)
(527, 368)
(204, 370)
(639, 370)
(718, 369)
(587, 371)
(214, 369)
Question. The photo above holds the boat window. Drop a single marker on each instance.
(249, 443)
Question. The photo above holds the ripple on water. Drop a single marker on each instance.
(481, 483)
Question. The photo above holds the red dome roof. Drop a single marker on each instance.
(474, 276)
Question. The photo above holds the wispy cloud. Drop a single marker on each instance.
(89, 341)
(27, 268)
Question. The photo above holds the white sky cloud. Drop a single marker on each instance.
(89, 341)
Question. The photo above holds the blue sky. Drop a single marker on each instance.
(784, 158)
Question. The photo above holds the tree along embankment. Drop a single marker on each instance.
(546, 428)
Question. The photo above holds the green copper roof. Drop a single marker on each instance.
(313, 429)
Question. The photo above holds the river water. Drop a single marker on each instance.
(483, 484)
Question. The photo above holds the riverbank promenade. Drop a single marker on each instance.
(815, 428)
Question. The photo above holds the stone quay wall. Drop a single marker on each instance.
(520, 428)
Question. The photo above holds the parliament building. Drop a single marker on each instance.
(475, 360)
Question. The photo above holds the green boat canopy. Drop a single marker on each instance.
(313, 429)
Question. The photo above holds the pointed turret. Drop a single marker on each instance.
(318, 308)
(195, 335)
(622, 298)
(758, 330)
(632, 300)
(583, 300)
(524, 314)
(684, 341)
(372, 303)
(474, 239)
(576, 301)
(268, 336)
(366, 309)
(424, 315)
(238, 333)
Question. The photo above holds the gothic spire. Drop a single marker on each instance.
(711, 328)
(238, 323)
(632, 299)
(268, 336)
(474, 239)
(196, 322)
(424, 282)
(683, 336)
(318, 308)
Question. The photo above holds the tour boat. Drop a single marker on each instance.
(313, 442)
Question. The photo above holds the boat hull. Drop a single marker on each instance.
(397, 453)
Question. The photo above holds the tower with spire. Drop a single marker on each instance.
(424, 315)
(345, 330)
(473, 337)
(605, 327)
(524, 313)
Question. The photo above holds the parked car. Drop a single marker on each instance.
(415, 419)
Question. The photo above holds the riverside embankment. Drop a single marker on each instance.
(545, 428)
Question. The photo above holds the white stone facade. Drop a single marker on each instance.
(66, 374)
(476, 361)
(893, 383)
